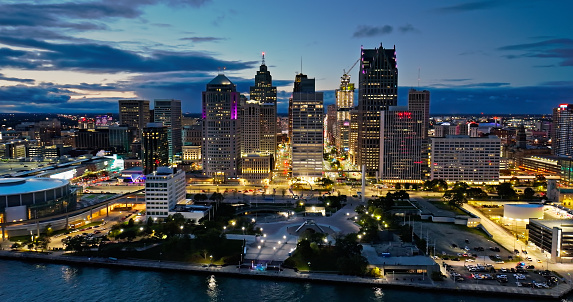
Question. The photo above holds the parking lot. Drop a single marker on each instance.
(513, 274)
(452, 240)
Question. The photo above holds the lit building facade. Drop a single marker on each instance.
(307, 114)
(401, 145)
(134, 114)
(378, 90)
(467, 159)
(265, 94)
(155, 147)
(168, 112)
(221, 129)
(344, 104)
(164, 188)
(256, 169)
(562, 130)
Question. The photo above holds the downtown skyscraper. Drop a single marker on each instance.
(134, 114)
(265, 95)
(168, 112)
(306, 111)
(221, 151)
(378, 90)
(562, 130)
(344, 104)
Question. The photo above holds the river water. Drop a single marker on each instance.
(23, 281)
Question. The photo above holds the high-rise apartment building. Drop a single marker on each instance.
(168, 112)
(164, 188)
(307, 114)
(401, 144)
(378, 90)
(562, 130)
(221, 129)
(134, 114)
(344, 103)
(155, 147)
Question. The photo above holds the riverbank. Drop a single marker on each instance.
(556, 292)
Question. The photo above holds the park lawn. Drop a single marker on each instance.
(443, 206)
(229, 253)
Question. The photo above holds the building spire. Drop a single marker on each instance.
(263, 58)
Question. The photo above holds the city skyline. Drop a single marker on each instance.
(474, 56)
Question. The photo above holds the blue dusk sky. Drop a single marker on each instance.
(491, 56)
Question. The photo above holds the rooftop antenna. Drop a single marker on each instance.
(300, 64)
(263, 58)
(418, 77)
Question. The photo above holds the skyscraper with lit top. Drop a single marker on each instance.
(378, 90)
(221, 152)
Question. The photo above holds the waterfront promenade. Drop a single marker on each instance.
(289, 275)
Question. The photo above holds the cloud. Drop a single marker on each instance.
(372, 31)
(32, 95)
(455, 80)
(27, 81)
(554, 48)
(408, 28)
(60, 15)
(97, 58)
(202, 39)
(470, 6)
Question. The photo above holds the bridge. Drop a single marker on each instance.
(67, 214)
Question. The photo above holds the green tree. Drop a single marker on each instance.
(528, 193)
(505, 190)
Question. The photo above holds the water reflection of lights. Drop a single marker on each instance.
(69, 273)
(212, 290)
(378, 293)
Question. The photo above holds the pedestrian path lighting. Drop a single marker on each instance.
(243, 228)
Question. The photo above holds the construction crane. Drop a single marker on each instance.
(349, 70)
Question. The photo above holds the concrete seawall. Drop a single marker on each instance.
(556, 292)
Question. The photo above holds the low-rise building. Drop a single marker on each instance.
(552, 236)
(164, 188)
(256, 168)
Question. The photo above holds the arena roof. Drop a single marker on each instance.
(12, 186)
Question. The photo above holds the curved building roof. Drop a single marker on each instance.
(12, 186)
(220, 80)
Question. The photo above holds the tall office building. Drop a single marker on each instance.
(307, 114)
(134, 114)
(420, 101)
(301, 83)
(265, 94)
(401, 144)
(344, 103)
(330, 123)
(168, 112)
(562, 130)
(378, 90)
(155, 147)
(251, 127)
(221, 129)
